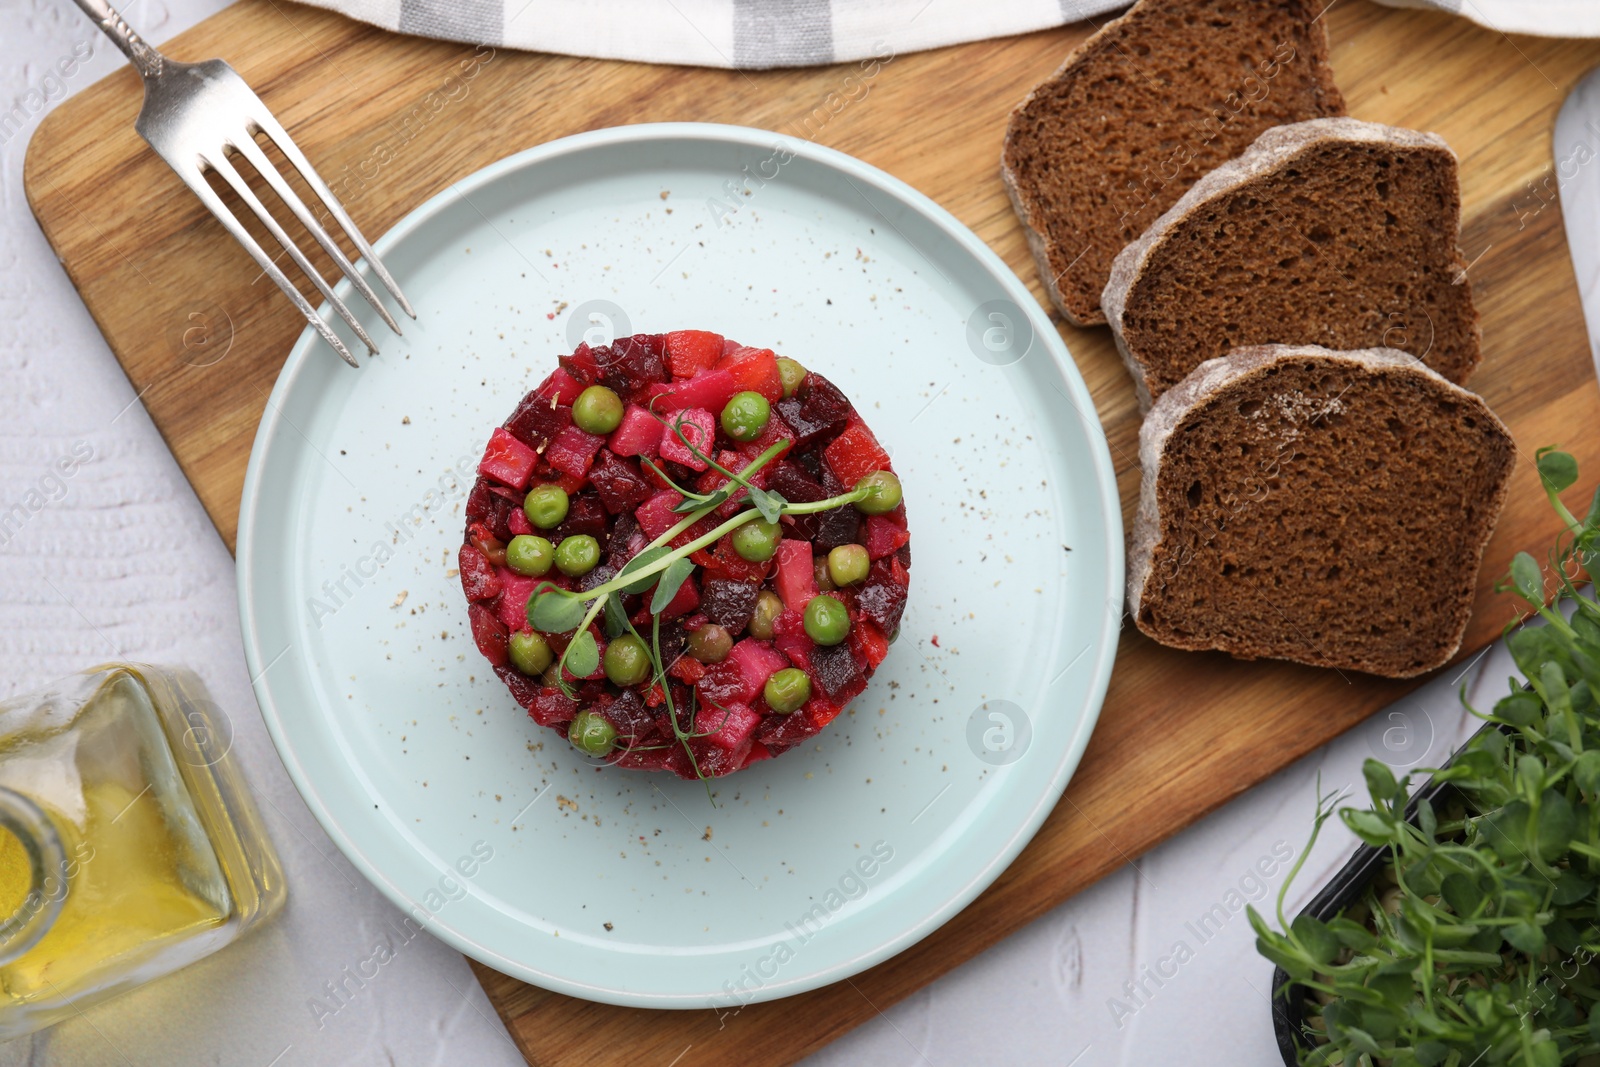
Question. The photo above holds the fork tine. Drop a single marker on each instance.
(258, 159)
(274, 129)
(195, 180)
(236, 180)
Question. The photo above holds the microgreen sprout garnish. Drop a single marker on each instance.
(769, 503)
(664, 567)
(1478, 941)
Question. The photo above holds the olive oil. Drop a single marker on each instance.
(128, 845)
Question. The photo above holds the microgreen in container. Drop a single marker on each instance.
(1466, 930)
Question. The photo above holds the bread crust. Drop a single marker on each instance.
(1216, 377)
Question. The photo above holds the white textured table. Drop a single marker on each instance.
(122, 562)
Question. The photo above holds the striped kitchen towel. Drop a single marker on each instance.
(796, 33)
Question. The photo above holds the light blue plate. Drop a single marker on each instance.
(629, 887)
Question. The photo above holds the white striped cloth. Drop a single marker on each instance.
(797, 33)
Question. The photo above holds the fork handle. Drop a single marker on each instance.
(145, 58)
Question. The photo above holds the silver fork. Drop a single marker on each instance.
(194, 114)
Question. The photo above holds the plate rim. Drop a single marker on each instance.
(1081, 400)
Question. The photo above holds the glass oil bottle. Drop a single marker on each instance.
(129, 846)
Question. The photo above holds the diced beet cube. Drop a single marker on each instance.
(478, 578)
(834, 669)
(524, 690)
(656, 516)
(796, 582)
(572, 450)
(515, 590)
(677, 762)
(903, 557)
(478, 501)
(664, 720)
(685, 600)
(561, 387)
(691, 351)
(507, 460)
(758, 660)
(674, 639)
(552, 707)
(569, 483)
(585, 515)
(639, 433)
(489, 635)
(755, 370)
(758, 752)
(631, 719)
(714, 762)
(709, 390)
(517, 522)
(779, 733)
(789, 637)
(881, 598)
(728, 727)
(500, 511)
(854, 454)
(538, 419)
(884, 538)
(724, 684)
(631, 363)
(794, 483)
(835, 527)
(582, 365)
(620, 546)
(729, 603)
(816, 412)
(699, 427)
(618, 481)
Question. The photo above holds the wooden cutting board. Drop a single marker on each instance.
(1180, 733)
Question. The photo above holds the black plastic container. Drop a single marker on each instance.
(1288, 1006)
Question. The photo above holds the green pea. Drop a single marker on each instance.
(745, 416)
(792, 374)
(591, 733)
(597, 410)
(787, 689)
(819, 568)
(626, 661)
(545, 505)
(530, 554)
(883, 493)
(768, 607)
(827, 621)
(848, 564)
(757, 541)
(577, 555)
(530, 653)
(710, 643)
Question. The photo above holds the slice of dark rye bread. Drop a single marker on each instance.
(1331, 232)
(1139, 112)
(1325, 507)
